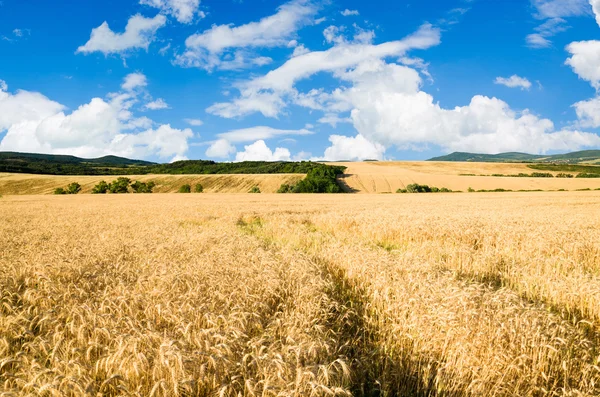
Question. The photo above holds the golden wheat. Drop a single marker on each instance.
(300, 295)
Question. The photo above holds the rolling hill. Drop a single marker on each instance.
(585, 156)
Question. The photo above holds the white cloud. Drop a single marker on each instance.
(259, 133)
(265, 94)
(514, 81)
(545, 31)
(348, 12)
(300, 50)
(3, 86)
(588, 112)
(259, 151)
(352, 148)
(405, 118)
(34, 123)
(183, 10)
(157, 104)
(596, 9)
(560, 8)
(212, 48)
(139, 33)
(585, 60)
(194, 122)
(221, 149)
(133, 81)
(334, 119)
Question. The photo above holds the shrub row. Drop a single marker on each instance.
(416, 188)
(121, 185)
(198, 188)
(73, 188)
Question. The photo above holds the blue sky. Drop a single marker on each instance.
(234, 80)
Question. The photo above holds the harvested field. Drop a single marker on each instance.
(300, 295)
(387, 177)
(24, 184)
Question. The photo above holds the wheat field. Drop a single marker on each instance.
(300, 295)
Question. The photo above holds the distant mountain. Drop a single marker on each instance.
(585, 156)
(106, 161)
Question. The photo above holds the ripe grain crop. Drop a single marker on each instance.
(300, 295)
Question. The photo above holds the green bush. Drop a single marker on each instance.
(142, 187)
(563, 175)
(198, 188)
(285, 188)
(416, 188)
(320, 180)
(74, 188)
(101, 188)
(59, 190)
(121, 185)
(185, 189)
(587, 175)
(255, 189)
(471, 190)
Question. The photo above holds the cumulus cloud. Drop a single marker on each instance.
(34, 123)
(133, 81)
(138, 34)
(585, 60)
(182, 10)
(259, 151)
(217, 46)
(265, 94)
(157, 104)
(514, 81)
(588, 112)
(259, 133)
(348, 12)
(221, 148)
(352, 148)
(596, 9)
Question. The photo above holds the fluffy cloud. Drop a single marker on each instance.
(596, 8)
(265, 94)
(219, 45)
(139, 33)
(133, 81)
(588, 112)
(157, 104)
(393, 116)
(220, 149)
(34, 123)
(585, 60)
(259, 133)
(259, 151)
(183, 10)
(514, 81)
(334, 119)
(348, 12)
(352, 148)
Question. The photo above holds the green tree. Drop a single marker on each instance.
(101, 188)
(255, 189)
(185, 189)
(198, 188)
(142, 187)
(59, 190)
(121, 185)
(74, 188)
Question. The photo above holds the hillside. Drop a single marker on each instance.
(28, 184)
(586, 156)
(29, 163)
(387, 177)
